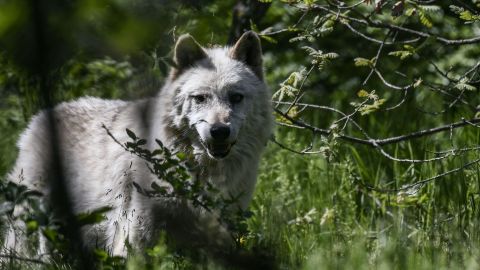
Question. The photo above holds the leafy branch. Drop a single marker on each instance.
(174, 169)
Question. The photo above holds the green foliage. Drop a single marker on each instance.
(173, 168)
(463, 85)
(465, 15)
(362, 62)
(404, 54)
(320, 59)
(365, 108)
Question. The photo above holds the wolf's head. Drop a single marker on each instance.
(216, 91)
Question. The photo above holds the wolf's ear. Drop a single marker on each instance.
(248, 50)
(187, 52)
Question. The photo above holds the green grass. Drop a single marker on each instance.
(316, 215)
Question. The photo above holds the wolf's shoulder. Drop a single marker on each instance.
(90, 105)
(74, 118)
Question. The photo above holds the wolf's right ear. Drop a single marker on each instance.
(187, 52)
(249, 51)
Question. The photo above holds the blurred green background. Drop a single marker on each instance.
(310, 211)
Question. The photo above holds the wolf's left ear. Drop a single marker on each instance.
(187, 52)
(248, 50)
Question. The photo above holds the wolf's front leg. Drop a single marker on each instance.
(18, 241)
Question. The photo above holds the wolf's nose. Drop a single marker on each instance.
(220, 132)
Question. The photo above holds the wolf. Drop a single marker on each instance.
(214, 105)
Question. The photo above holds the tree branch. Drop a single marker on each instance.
(368, 22)
(381, 142)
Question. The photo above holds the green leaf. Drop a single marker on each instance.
(425, 19)
(309, 2)
(93, 217)
(363, 62)
(465, 15)
(101, 255)
(131, 134)
(463, 85)
(159, 143)
(431, 8)
(410, 11)
(369, 108)
(181, 156)
(362, 93)
(401, 54)
(32, 225)
(50, 234)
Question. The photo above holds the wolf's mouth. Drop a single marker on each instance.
(219, 150)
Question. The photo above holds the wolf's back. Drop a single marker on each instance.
(93, 167)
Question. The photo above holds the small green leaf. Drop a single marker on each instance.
(100, 254)
(93, 217)
(50, 234)
(32, 225)
(362, 62)
(362, 93)
(465, 15)
(159, 143)
(401, 54)
(131, 134)
(465, 86)
(157, 152)
(181, 155)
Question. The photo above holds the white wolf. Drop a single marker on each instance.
(214, 105)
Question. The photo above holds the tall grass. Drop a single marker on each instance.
(317, 214)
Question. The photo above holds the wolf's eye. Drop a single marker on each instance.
(235, 98)
(199, 98)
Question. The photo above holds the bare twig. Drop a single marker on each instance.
(421, 183)
(386, 141)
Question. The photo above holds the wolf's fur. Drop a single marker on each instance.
(99, 172)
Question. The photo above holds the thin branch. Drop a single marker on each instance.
(386, 141)
(421, 183)
(286, 147)
(404, 98)
(299, 94)
(367, 22)
(355, 31)
(390, 85)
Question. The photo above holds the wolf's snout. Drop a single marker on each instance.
(220, 132)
